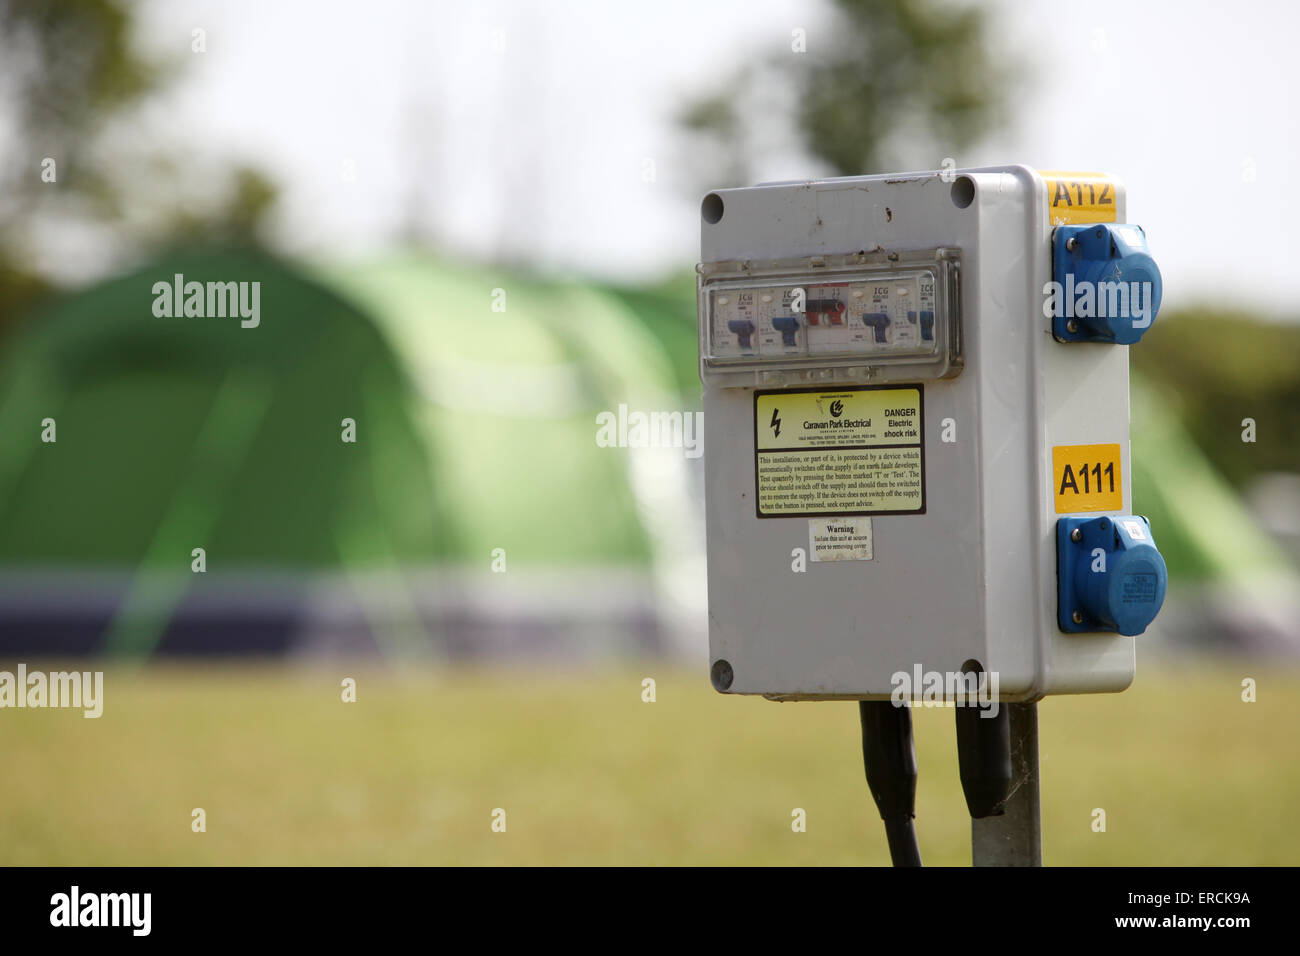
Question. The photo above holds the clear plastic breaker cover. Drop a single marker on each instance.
(864, 316)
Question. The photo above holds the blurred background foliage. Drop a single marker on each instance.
(1218, 369)
(72, 85)
(901, 82)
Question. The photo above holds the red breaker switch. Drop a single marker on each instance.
(832, 309)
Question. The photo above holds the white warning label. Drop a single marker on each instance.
(839, 539)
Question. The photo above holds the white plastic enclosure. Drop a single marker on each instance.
(817, 425)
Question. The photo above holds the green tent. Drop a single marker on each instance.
(473, 445)
(177, 433)
(513, 371)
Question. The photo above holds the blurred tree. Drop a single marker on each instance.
(71, 82)
(45, 107)
(1218, 369)
(889, 84)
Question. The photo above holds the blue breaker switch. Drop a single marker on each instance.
(1110, 577)
(742, 329)
(927, 323)
(788, 326)
(878, 321)
(1107, 288)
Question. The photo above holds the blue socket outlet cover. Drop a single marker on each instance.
(1108, 288)
(1110, 576)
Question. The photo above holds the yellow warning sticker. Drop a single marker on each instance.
(1087, 478)
(1079, 198)
(839, 451)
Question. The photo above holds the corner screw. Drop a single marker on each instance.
(1072, 326)
(1077, 617)
(1076, 535)
(1071, 244)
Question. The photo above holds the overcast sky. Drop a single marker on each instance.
(526, 126)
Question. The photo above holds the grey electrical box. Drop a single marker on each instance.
(888, 414)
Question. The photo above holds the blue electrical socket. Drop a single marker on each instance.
(1108, 286)
(1110, 575)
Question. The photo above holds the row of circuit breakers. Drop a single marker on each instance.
(895, 316)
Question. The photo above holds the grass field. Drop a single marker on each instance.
(587, 773)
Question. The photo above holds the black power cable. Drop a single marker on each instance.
(983, 754)
(890, 759)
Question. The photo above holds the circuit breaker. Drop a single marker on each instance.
(916, 413)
